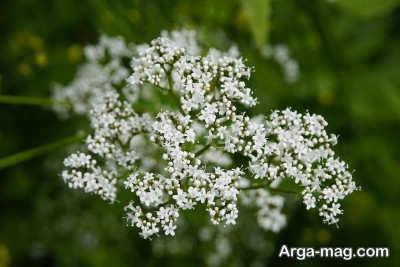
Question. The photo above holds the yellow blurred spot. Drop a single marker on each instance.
(182, 8)
(35, 42)
(41, 59)
(24, 69)
(107, 17)
(323, 236)
(326, 97)
(74, 53)
(307, 235)
(133, 15)
(4, 256)
(241, 18)
(20, 42)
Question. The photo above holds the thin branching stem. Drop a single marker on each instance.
(266, 186)
(202, 150)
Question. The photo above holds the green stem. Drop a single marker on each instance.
(159, 87)
(17, 158)
(170, 82)
(266, 186)
(30, 101)
(202, 150)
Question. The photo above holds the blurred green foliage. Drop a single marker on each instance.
(258, 16)
(349, 56)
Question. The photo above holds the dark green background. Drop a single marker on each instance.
(349, 56)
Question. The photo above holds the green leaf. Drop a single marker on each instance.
(368, 8)
(258, 16)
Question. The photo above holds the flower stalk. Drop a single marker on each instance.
(26, 155)
(30, 101)
(267, 186)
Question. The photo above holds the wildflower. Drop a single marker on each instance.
(179, 157)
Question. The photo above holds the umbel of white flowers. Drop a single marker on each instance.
(180, 156)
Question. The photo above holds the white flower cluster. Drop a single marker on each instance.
(179, 157)
(269, 208)
(86, 174)
(297, 147)
(281, 54)
(106, 68)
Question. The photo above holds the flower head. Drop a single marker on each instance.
(176, 154)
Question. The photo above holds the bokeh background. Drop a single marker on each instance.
(349, 71)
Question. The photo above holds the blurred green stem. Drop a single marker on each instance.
(202, 150)
(321, 20)
(20, 157)
(30, 101)
(267, 186)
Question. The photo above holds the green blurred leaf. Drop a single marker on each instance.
(370, 8)
(258, 16)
